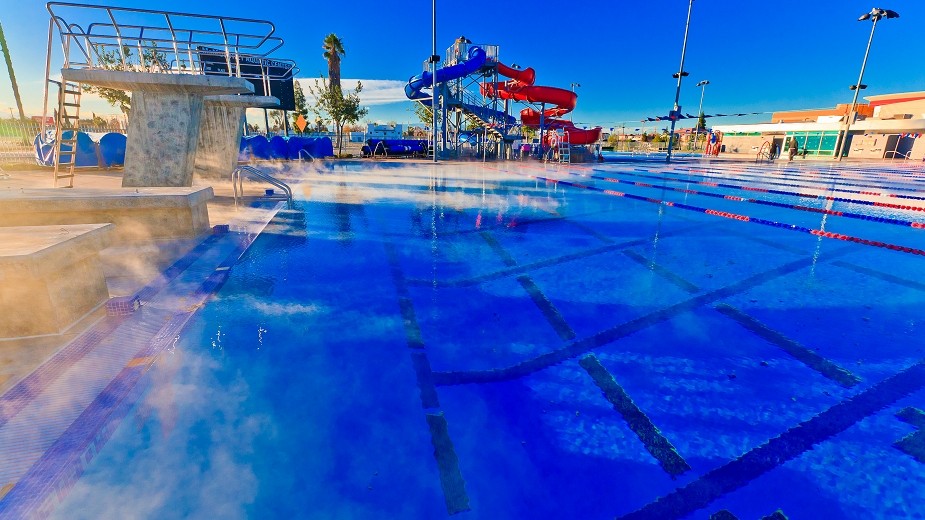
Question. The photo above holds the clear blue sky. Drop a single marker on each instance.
(758, 56)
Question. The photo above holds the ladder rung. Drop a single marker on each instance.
(71, 104)
(65, 152)
(63, 175)
(75, 92)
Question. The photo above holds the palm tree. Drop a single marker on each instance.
(9, 67)
(333, 50)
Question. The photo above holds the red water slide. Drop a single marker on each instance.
(521, 88)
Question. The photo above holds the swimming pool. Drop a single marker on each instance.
(519, 340)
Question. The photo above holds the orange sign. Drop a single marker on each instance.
(301, 123)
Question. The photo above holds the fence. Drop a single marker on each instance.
(17, 137)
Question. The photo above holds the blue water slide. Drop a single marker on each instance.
(474, 62)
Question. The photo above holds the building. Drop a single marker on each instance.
(888, 126)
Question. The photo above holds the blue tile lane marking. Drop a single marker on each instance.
(451, 480)
(524, 268)
(550, 312)
(662, 271)
(454, 487)
(583, 346)
(785, 447)
(912, 284)
(914, 443)
(806, 356)
(653, 440)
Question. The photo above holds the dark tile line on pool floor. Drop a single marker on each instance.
(548, 262)
(799, 352)
(546, 307)
(35, 383)
(911, 284)
(583, 346)
(655, 443)
(783, 448)
(451, 480)
(62, 464)
(662, 271)
(914, 443)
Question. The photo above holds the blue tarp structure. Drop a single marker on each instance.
(280, 148)
(89, 151)
(112, 149)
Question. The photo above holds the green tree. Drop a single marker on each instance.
(701, 122)
(333, 50)
(340, 108)
(150, 60)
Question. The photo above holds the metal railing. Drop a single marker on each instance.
(93, 37)
(896, 154)
(237, 182)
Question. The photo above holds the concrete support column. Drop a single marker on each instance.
(220, 134)
(164, 123)
(163, 138)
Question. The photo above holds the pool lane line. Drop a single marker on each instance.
(734, 216)
(812, 360)
(451, 479)
(850, 174)
(914, 443)
(62, 464)
(774, 183)
(785, 447)
(546, 307)
(662, 271)
(600, 339)
(847, 214)
(17, 397)
(842, 174)
(549, 262)
(757, 190)
(655, 443)
(742, 176)
(912, 284)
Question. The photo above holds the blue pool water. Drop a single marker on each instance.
(501, 341)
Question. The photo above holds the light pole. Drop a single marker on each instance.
(679, 75)
(433, 100)
(703, 88)
(874, 15)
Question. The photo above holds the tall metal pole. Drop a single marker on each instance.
(433, 59)
(703, 89)
(857, 91)
(681, 74)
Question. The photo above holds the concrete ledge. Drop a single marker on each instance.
(139, 214)
(243, 101)
(167, 83)
(51, 277)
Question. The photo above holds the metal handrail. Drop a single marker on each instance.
(237, 182)
(303, 151)
(251, 41)
(896, 153)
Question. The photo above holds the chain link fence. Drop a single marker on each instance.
(17, 138)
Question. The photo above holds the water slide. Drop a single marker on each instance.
(474, 61)
(521, 88)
